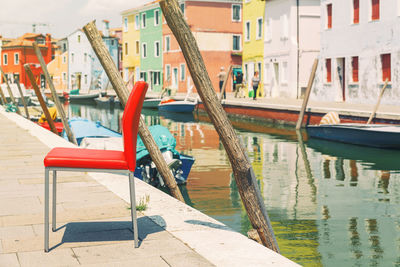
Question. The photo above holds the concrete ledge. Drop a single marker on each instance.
(210, 238)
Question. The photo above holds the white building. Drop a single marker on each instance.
(291, 43)
(79, 61)
(360, 49)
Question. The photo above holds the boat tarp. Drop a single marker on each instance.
(163, 138)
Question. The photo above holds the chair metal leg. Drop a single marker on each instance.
(53, 228)
(133, 208)
(46, 210)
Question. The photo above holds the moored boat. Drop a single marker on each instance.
(172, 105)
(151, 102)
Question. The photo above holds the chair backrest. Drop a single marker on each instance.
(130, 122)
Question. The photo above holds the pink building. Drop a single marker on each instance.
(217, 27)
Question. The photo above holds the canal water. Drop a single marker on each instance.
(330, 204)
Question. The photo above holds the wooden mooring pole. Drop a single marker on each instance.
(378, 103)
(9, 91)
(59, 107)
(307, 95)
(23, 99)
(225, 82)
(3, 97)
(242, 169)
(118, 84)
(40, 98)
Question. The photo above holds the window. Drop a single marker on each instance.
(137, 47)
(259, 28)
(85, 57)
(356, 11)
(126, 48)
(375, 9)
(236, 13)
(156, 77)
(156, 17)
(329, 16)
(247, 31)
(168, 72)
(5, 59)
(64, 76)
(144, 50)
(268, 30)
(182, 67)
(284, 75)
(182, 7)
(236, 43)
(125, 24)
(167, 43)
(79, 38)
(143, 20)
(72, 57)
(328, 70)
(157, 49)
(143, 76)
(40, 41)
(386, 67)
(64, 59)
(112, 43)
(137, 22)
(285, 27)
(64, 47)
(259, 68)
(16, 58)
(85, 78)
(354, 68)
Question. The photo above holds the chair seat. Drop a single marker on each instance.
(86, 158)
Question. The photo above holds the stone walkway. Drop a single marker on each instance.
(93, 222)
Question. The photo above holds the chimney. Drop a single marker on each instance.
(106, 28)
(49, 52)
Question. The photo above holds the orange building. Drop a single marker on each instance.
(217, 28)
(20, 51)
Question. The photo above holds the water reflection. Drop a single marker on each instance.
(330, 204)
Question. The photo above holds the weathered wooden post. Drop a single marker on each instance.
(379, 101)
(225, 82)
(307, 95)
(23, 99)
(40, 98)
(59, 107)
(242, 169)
(119, 86)
(3, 97)
(9, 91)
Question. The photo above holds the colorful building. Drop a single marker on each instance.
(253, 42)
(19, 52)
(217, 28)
(291, 43)
(151, 57)
(58, 70)
(130, 44)
(359, 51)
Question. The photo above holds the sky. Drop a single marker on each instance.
(61, 17)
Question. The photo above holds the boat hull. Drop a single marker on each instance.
(380, 136)
(151, 103)
(177, 106)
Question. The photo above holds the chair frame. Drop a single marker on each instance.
(54, 209)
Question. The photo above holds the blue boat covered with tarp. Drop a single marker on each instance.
(91, 134)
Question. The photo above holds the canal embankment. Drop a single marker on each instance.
(286, 111)
(93, 216)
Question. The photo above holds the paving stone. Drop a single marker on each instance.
(142, 261)
(56, 257)
(15, 232)
(186, 259)
(9, 260)
(21, 205)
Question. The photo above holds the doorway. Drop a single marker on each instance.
(341, 76)
(275, 87)
(175, 78)
(42, 81)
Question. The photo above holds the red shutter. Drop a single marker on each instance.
(386, 67)
(375, 9)
(356, 16)
(354, 65)
(329, 13)
(328, 70)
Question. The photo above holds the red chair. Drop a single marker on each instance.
(77, 159)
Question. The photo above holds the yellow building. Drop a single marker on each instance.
(131, 44)
(58, 70)
(253, 42)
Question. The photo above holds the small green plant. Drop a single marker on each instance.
(143, 201)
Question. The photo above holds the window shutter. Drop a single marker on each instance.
(386, 68)
(354, 65)
(328, 70)
(329, 13)
(375, 9)
(356, 16)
